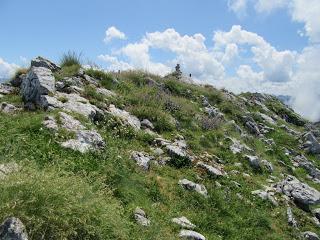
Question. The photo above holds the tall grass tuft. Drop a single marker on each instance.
(70, 58)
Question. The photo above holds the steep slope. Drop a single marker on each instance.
(86, 154)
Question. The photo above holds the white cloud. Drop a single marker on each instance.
(113, 33)
(276, 65)
(307, 12)
(7, 70)
(239, 7)
(306, 91)
(270, 5)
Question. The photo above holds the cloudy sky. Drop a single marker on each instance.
(270, 46)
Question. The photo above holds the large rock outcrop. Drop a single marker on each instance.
(13, 229)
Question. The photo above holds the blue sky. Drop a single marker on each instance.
(243, 45)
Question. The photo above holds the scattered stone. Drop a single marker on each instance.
(310, 235)
(189, 185)
(45, 63)
(184, 222)
(291, 220)
(141, 217)
(125, 116)
(145, 123)
(70, 123)
(215, 172)
(192, 235)
(8, 168)
(178, 149)
(302, 161)
(142, 159)
(86, 140)
(106, 92)
(237, 147)
(50, 123)
(266, 195)
(254, 162)
(268, 166)
(251, 125)
(6, 89)
(302, 193)
(13, 229)
(8, 108)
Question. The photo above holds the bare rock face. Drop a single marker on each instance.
(39, 81)
(13, 229)
(311, 144)
(301, 193)
(85, 141)
(125, 116)
(42, 62)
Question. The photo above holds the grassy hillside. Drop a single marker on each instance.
(59, 193)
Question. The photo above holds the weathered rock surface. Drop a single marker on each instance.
(215, 172)
(257, 164)
(311, 144)
(145, 123)
(70, 123)
(300, 192)
(86, 140)
(42, 62)
(237, 147)
(141, 217)
(39, 81)
(8, 168)
(267, 194)
(6, 89)
(183, 222)
(13, 229)
(302, 161)
(50, 123)
(310, 236)
(125, 116)
(291, 220)
(142, 159)
(189, 185)
(8, 108)
(191, 235)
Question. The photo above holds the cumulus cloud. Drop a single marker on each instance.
(267, 6)
(113, 33)
(276, 65)
(7, 70)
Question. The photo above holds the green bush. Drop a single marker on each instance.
(54, 205)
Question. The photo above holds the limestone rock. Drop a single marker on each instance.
(39, 81)
(301, 193)
(141, 217)
(86, 140)
(142, 159)
(291, 220)
(8, 108)
(50, 123)
(13, 229)
(210, 169)
(70, 123)
(189, 185)
(191, 235)
(7, 168)
(310, 236)
(125, 116)
(145, 123)
(42, 62)
(106, 92)
(311, 144)
(183, 222)
(6, 89)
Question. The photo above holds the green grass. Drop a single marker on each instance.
(70, 59)
(61, 194)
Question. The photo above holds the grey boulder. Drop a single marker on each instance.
(13, 229)
(141, 217)
(183, 222)
(42, 62)
(142, 160)
(189, 185)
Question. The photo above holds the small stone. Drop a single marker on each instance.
(291, 220)
(145, 123)
(310, 235)
(189, 185)
(183, 222)
(142, 159)
(141, 217)
(191, 235)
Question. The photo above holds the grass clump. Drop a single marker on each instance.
(70, 59)
(106, 79)
(55, 205)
